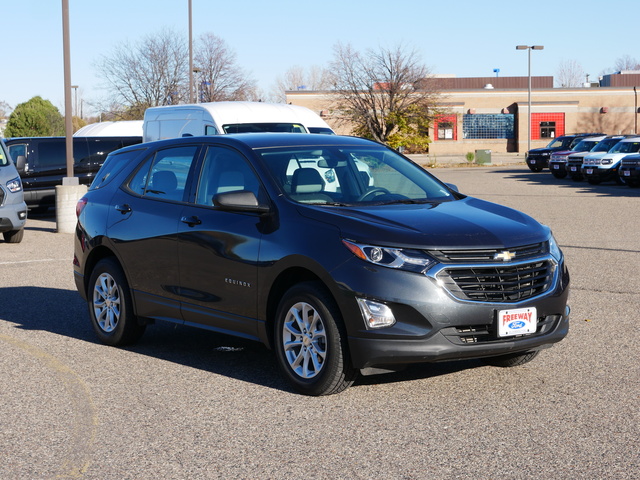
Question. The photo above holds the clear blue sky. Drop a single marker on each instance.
(467, 38)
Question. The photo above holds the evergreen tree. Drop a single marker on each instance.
(35, 118)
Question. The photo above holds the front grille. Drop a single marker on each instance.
(488, 255)
(631, 162)
(472, 334)
(498, 284)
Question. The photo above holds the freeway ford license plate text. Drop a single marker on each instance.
(520, 321)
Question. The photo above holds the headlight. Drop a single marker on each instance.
(606, 161)
(404, 259)
(14, 185)
(554, 249)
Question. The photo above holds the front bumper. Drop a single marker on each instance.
(558, 167)
(538, 161)
(630, 174)
(595, 172)
(432, 325)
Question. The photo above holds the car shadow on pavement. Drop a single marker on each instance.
(609, 188)
(63, 312)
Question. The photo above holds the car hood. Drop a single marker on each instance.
(466, 223)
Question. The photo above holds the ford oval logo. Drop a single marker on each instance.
(516, 325)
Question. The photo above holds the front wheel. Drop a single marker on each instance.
(110, 305)
(13, 236)
(511, 360)
(311, 343)
(534, 168)
(559, 175)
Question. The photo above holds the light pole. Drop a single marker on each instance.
(529, 48)
(75, 98)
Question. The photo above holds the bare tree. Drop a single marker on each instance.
(298, 78)
(150, 73)
(626, 62)
(570, 74)
(385, 93)
(219, 77)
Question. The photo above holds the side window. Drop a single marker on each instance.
(225, 170)
(17, 150)
(114, 163)
(210, 130)
(52, 154)
(164, 175)
(98, 150)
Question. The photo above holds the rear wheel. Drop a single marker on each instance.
(311, 342)
(511, 360)
(13, 236)
(110, 305)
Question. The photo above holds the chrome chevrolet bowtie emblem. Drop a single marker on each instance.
(505, 256)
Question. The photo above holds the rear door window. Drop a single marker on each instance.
(165, 174)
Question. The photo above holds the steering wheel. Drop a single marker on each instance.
(372, 193)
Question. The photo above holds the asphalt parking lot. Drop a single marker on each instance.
(188, 404)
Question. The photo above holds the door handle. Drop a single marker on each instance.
(191, 221)
(123, 208)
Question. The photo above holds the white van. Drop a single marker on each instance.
(219, 118)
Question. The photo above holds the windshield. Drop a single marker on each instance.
(606, 144)
(584, 145)
(626, 147)
(264, 127)
(338, 175)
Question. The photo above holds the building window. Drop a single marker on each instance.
(445, 131)
(546, 125)
(445, 128)
(547, 129)
(488, 126)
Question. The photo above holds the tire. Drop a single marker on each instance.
(593, 181)
(576, 178)
(620, 180)
(311, 342)
(559, 175)
(511, 360)
(534, 168)
(13, 236)
(110, 305)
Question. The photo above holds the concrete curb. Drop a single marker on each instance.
(497, 160)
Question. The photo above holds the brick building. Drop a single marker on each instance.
(492, 112)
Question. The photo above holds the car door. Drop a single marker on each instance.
(143, 225)
(218, 250)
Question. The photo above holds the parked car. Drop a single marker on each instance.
(629, 170)
(538, 158)
(42, 163)
(597, 170)
(574, 162)
(212, 232)
(13, 210)
(558, 161)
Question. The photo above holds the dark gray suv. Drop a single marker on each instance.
(337, 252)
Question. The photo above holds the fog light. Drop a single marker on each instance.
(22, 215)
(375, 314)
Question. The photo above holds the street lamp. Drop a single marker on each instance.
(529, 48)
(75, 97)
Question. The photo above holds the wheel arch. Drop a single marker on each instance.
(283, 282)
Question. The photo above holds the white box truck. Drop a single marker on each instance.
(219, 118)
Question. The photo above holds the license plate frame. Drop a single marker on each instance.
(517, 321)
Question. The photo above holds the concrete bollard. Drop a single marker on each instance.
(67, 196)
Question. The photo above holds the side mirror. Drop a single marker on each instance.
(21, 164)
(239, 201)
(452, 187)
